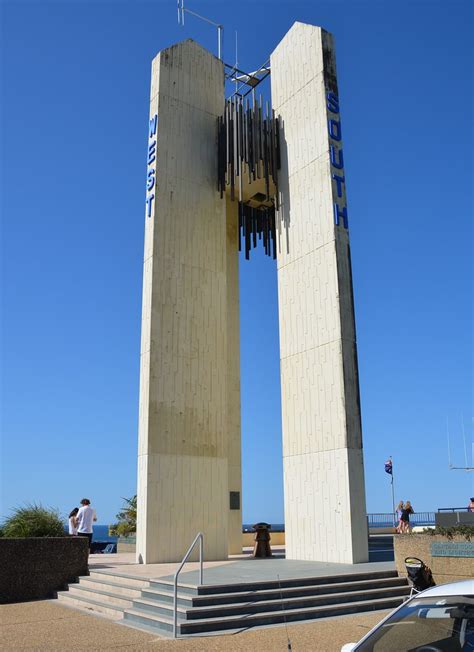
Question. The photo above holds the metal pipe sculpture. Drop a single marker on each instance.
(249, 148)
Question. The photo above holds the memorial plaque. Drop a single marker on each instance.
(235, 500)
(452, 549)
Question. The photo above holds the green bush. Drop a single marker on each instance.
(466, 531)
(33, 521)
(127, 519)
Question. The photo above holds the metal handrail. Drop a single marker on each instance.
(199, 537)
(453, 509)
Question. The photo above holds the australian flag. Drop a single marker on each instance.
(389, 467)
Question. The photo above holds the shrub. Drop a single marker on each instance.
(466, 531)
(127, 519)
(33, 521)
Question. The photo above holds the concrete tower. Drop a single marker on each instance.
(325, 513)
(189, 415)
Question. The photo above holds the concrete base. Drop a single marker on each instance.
(243, 567)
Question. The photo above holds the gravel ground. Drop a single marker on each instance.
(47, 625)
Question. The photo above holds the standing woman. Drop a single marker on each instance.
(398, 512)
(73, 521)
(407, 510)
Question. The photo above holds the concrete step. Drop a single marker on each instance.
(132, 581)
(167, 587)
(149, 621)
(164, 624)
(166, 597)
(262, 585)
(104, 597)
(77, 602)
(110, 587)
(267, 606)
(189, 600)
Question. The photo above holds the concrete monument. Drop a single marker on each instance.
(223, 174)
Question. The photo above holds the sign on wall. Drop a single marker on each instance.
(452, 549)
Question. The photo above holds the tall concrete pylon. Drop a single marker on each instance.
(325, 511)
(189, 415)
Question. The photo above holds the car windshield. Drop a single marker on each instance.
(426, 625)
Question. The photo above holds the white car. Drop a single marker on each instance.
(440, 619)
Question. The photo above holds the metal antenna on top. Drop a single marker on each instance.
(220, 28)
(464, 437)
(449, 444)
(236, 61)
(459, 468)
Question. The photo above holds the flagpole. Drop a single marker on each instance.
(393, 498)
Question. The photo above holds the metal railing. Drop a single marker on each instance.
(199, 537)
(387, 519)
(453, 509)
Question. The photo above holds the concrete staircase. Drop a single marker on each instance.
(104, 593)
(213, 608)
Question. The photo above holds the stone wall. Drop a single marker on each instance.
(35, 568)
(444, 569)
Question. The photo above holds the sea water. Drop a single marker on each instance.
(101, 533)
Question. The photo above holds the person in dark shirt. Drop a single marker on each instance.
(405, 518)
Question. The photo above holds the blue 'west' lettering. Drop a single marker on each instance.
(152, 128)
(150, 180)
(151, 152)
(151, 165)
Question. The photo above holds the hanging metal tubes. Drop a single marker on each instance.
(248, 146)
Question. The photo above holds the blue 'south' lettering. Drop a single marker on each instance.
(337, 160)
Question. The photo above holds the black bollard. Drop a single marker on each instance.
(262, 540)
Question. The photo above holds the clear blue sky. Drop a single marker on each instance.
(75, 95)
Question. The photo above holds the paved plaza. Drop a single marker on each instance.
(46, 625)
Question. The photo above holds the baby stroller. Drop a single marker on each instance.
(419, 575)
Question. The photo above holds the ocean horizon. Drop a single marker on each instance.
(101, 533)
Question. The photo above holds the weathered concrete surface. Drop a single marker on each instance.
(233, 376)
(37, 567)
(46, 626)
(325, 512)
(184, 453)
(444, 569)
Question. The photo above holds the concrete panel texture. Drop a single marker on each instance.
(322, 442)
(183, 465)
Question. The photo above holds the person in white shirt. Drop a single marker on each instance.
(73, 521)
(85, 517)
